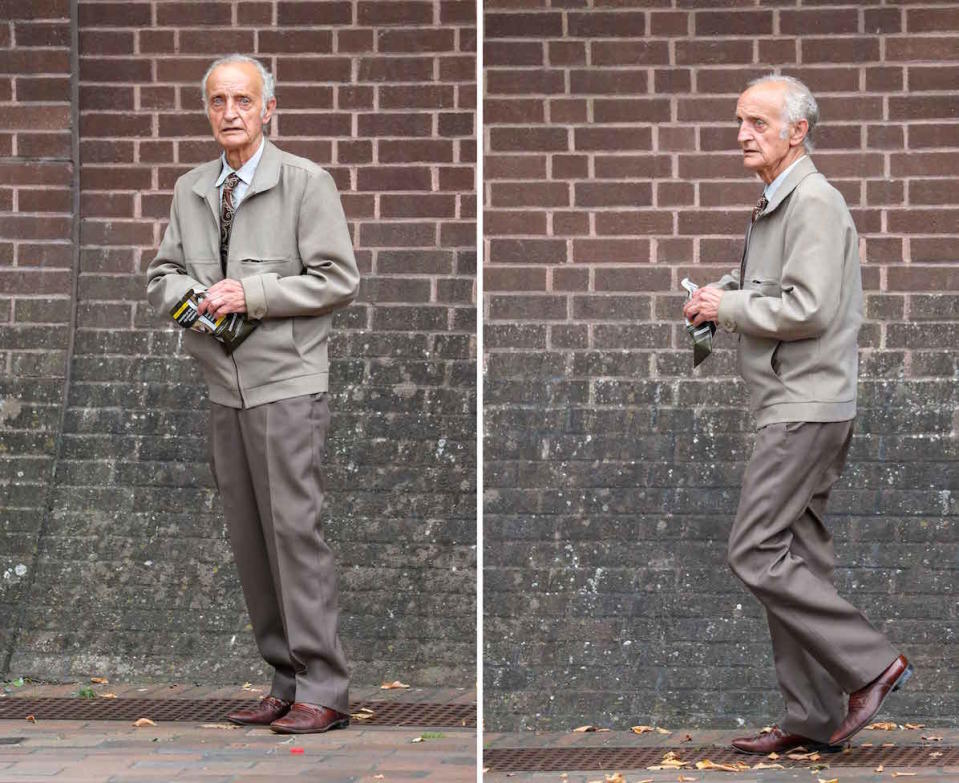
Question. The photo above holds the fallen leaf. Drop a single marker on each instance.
(684, 779)
(31, 718)
(804, 756)
(883, 726)
(866, 745)
(230, 726)
(904, 774)
(417, 739)
(616, 777)
(365, 713)
(583, 729)
(688, 738)
(932, 738)
(773, 756)
(879, 768)
(764, 765)
(915, 726)
(99, 680)
(888, 745)
(141, 722)
(108, 695)
(831, 780)
(389, 686)
(935, 755)
(641, 729)
(707, 764)
(766, 730)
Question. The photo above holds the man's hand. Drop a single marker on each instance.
(223, 298)
(703, 305)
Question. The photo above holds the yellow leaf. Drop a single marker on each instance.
(365, 713)
(866, 745)
(99, 680)
(707, 764)
(31, 718)
(831, 780)
(616, 777)
(684, 779)
(141, 722)
(879, 768)
(584, 729)
(766, 730)
(389, 686)
(663, 731)
(915, 726)
(417, 739)
(935, 755)
(932, 738)
(883, 726)
(764, 765)
(773, 756)
(108, 695)
(888, 745)
(641, 729)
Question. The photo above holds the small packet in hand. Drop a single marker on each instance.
(702, 335)
(230, 330)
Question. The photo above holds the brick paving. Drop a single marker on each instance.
(117, 752)
(673, 741)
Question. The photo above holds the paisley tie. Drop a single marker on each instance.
(760, 206)
(227, 210)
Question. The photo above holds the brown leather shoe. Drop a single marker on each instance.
(268, 710)
(306, 718)
(865, 703)
(777, 741)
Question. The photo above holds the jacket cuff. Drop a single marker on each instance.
(730, 307)
(255, 296)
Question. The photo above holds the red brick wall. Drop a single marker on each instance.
(36, 278)
(612, 172)
(383, 95)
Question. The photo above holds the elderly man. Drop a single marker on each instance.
(259, 237)
(796, 305)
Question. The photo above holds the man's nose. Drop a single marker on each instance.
(744, 134)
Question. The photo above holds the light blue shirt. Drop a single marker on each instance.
(773, 186)
(245, 173)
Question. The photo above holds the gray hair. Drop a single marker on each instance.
(269, 84)
(798, 104)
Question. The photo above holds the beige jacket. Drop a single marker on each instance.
(291, 250)
(799, 310)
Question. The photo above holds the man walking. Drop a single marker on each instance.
(261, 233)
(796, 304)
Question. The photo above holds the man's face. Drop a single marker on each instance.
(234, 96)
(759, 113)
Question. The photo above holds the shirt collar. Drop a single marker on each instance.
(245, 172)
(773, 186)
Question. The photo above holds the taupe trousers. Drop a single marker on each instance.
(782, 550)
(267, 464)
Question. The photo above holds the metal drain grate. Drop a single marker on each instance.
(570, 759)
(385, 713)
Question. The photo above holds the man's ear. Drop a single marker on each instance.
(799, 131)
(271, 107)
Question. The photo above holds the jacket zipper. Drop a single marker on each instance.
(236, 367)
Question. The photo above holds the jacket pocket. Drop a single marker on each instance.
(765, 287)
(204, 270)
(774, 360)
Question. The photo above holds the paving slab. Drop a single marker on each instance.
(75, 751)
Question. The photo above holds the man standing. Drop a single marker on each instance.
(260, 232)
(796, 304)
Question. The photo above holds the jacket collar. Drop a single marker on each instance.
(266, 176)
(800, 171)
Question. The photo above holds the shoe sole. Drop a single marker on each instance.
(340, 724)
(901, 680)
(249, 722)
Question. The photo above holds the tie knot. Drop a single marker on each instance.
(760, 206)
(231, 181)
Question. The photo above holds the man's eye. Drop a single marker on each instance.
(217, 101)
(760, 124)
(245, 101)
